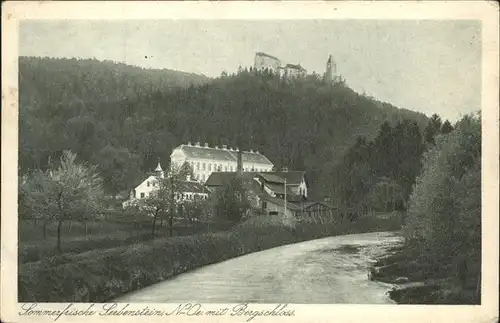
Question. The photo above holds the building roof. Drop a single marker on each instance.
(149, 178)
(279, 188)
(223, 154)
(219, 178)
(293, 177)
(281, 202)
(295, 205)
(296, 67)
(267, 55)
(192, 187)
(307, 204)
(224, 178)
(272, 178)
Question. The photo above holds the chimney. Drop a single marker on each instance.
(224, 147)
(239, 167)
(216, 147)
(206, 145)
(198, 144)
(188, 178)
(189, 143)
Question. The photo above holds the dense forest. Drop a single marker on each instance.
(68, 81)
(123, 118)
(379, 175)
(442, 226)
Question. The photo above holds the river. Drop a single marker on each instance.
(331, 270)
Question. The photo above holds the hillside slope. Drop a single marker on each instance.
(302, 124)
(57, 80)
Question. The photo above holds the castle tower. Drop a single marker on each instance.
(331, 70)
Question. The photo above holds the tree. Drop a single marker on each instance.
(119, 168)
(195, 210)
(379, 174)
(158, 204)
(445, 206)
(386, 195)
(232, 202)
(446, 127)
(163, 203)
(34, 202)
(77, 190)
(432, 129)
(185, 171)
(72, 191)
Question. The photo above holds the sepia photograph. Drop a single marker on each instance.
(248, 161)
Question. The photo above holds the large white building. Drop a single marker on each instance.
(204, 160)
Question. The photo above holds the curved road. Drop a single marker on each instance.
(329, 270)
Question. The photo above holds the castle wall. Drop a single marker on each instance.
(262, 62)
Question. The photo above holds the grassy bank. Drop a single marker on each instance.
(100, 275)
(104, 234)
(422, 277)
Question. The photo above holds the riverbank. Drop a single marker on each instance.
(419, 278)
(329, 270)
(101, 275)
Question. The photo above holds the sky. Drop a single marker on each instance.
(422, 65)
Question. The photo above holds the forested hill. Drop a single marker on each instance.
(61, 80)
(302, 124)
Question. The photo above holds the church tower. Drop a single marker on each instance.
(159, 171)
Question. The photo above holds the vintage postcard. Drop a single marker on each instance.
(250, 161)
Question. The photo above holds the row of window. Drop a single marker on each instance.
(193, 197)
(151, 184)
(218, 167)
(184, 196)
(210, 166)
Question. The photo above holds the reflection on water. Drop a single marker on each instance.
(329, 270)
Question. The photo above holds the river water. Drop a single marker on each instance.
(331, 270)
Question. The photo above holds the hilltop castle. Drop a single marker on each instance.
(265, 61)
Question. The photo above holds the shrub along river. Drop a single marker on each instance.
(329, 270)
